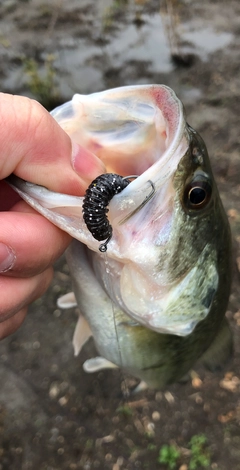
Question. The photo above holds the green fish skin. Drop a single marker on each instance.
(161, 359)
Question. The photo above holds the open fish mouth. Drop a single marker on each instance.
(138, 130)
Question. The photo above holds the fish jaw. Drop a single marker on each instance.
(136, 130)
(147, 126)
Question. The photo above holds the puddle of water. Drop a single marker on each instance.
(205, 41)
(145, 44)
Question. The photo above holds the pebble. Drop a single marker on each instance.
(169, 397)
(63, 401)
(232, 213)
(227, 417)
(54, 390)
(107, 439)
(230, 384)
(150, 429)
(156, 416)
(196, 382)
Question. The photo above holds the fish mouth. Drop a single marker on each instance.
(128, 128)
(135, 130)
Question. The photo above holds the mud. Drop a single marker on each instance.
(53, 416)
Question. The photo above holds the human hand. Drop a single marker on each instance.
(35, 148)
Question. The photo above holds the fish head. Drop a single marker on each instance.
(164, 262)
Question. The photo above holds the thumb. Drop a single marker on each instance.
(36, 149)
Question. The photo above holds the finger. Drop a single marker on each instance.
(34, 147)
(32, 242)
(17, 293)
(12, 324)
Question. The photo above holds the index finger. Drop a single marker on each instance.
(36, 149)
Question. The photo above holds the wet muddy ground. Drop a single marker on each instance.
(53, 416)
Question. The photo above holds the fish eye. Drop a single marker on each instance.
(197, 194)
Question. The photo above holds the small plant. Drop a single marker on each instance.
(125, 410)
(169, 455)
(200, 455)
(42, 85)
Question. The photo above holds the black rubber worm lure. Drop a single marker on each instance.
(95, 205)
(96, 200)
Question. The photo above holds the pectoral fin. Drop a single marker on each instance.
(67, 301)
(81, 334)
(98, 363)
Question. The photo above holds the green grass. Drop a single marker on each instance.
(42, 84)
(199, 454)
(169, 455)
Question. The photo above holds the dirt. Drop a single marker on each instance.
(54, 416)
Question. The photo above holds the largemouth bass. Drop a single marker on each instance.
(155, 302)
